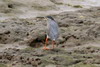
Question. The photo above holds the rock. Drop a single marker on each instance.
(78, 44)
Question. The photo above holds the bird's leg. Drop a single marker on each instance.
(45, 48)
(53, 44)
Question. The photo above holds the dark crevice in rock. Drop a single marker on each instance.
(37, 42)
(10, 6)
(7, 32)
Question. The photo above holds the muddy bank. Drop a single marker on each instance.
(78, 44)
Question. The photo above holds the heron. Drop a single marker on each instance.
(52, 32)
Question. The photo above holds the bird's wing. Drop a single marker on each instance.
(54, 30)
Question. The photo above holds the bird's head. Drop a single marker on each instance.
(49, 17)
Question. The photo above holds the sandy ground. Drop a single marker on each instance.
(22, 33)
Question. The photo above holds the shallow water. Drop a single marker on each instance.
(29, 12)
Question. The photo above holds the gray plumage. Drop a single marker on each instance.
(52, 29)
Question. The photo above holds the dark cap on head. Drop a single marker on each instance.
(50, 17)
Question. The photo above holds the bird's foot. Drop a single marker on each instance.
(45, 48)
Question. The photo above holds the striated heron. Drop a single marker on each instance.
(52, 32)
